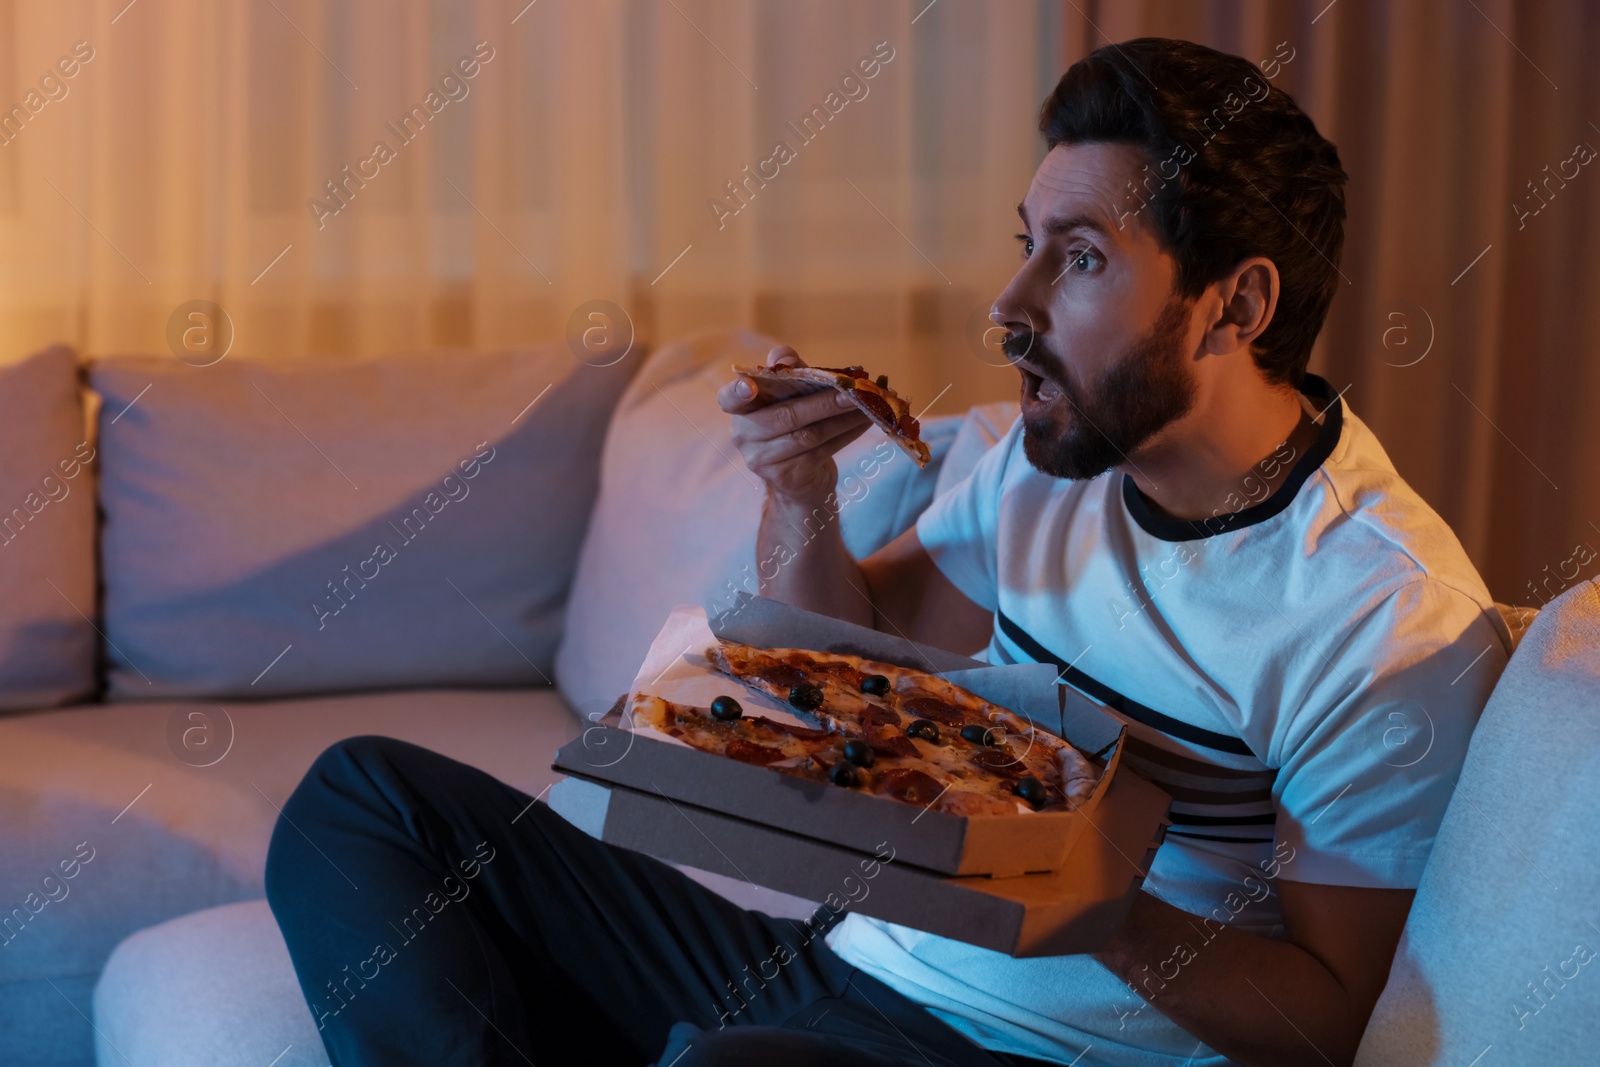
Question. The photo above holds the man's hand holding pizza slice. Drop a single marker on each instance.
(788, 437)
(788, 430)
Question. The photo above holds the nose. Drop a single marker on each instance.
(1021, 306)
(1011, 310)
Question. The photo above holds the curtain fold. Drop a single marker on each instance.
(345, 177)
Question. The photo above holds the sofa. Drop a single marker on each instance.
(215, 572)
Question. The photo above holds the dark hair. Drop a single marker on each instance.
(1253, 175)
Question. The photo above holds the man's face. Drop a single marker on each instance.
(1103, 344)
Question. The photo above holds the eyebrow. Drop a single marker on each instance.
(1055, 225)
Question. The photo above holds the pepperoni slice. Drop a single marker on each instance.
(888, 745)
(911, 785)
(878, 715)
(750, 752)
(998, 761)
(876, 406)
(846, 674)
(804, 733)
(937, 710)
(781, 675)
(908, 425)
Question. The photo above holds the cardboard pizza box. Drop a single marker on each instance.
(1074, 909)
(640, 759)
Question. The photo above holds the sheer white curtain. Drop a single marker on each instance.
(190, 159)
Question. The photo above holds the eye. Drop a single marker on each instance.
(1084, 261)
(1027, 244)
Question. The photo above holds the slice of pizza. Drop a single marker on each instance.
(748, 739)
(888, 410)
(909, 713)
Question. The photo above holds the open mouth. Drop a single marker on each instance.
(1037, 390)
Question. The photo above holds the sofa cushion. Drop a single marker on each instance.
(678, 510)
(1502, 947)
(312, 527)
(216, 988)
(47, 644)
(159, 809)
(228, 968)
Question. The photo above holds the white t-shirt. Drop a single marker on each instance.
(1302, 673)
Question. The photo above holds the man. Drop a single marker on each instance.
(1196, 531)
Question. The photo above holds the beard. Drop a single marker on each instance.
(1141, 394)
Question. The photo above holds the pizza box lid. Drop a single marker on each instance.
(640, 758)
(1075, 909)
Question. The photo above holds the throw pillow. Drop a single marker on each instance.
(47, 595)
(309, 527)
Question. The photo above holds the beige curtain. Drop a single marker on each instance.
(537, 158)
(589, 158)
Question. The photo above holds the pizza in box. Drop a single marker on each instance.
(883, 730)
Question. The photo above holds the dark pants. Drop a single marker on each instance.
(435, 915)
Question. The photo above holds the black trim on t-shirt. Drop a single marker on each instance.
(1219, 837)
(1170, 529)
(1263, 818)
(1134, 710)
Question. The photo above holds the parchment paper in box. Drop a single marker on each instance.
(674, 670)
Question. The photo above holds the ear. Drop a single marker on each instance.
(1245, 300)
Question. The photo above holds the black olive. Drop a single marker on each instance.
(875, 685)
(806, 697)
(883, 381)
(978, 735)
(1031, 790)
(842, 774)
(926, 729)
(726, 708)
(859, 752)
